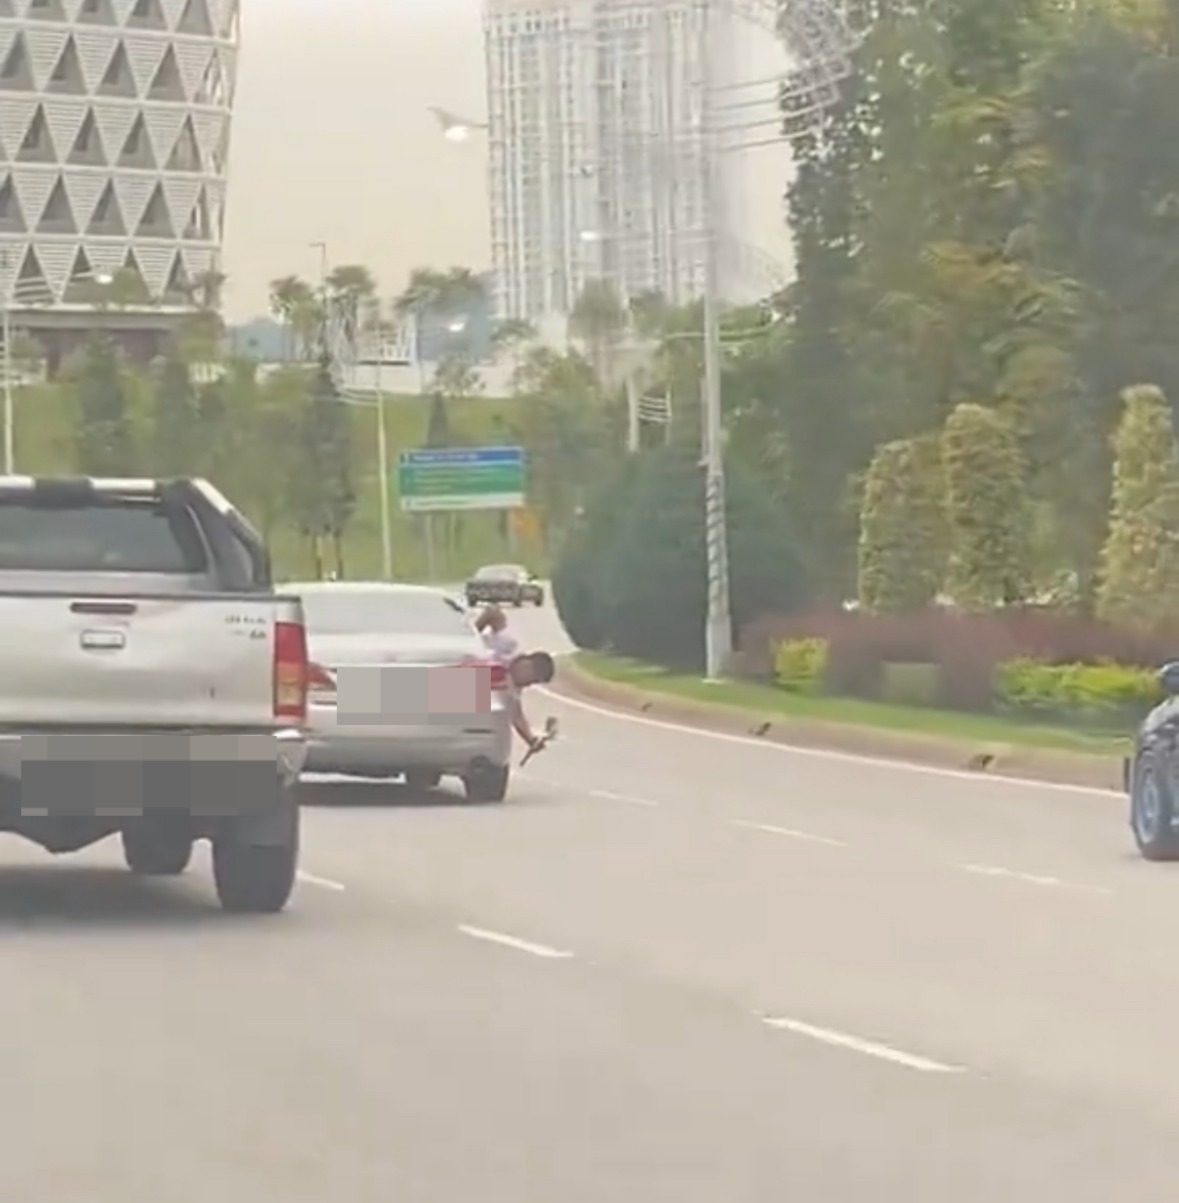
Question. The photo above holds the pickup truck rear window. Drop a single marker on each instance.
(111, 535)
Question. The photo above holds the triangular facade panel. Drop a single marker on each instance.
(114, 123)
(133, 192)
(132, 271)
(147, 14)
(16, 68)
(37, 145)
(137, 149)
(193, 59)
(45, 47)
(107, 220)
(67, 77)
(8, 35)
(84, 188)
(182, 198)
(208, 128)
(88, 149)
(123, 10)
(118, 79)
(12, 216)
(105, 258)
(198, 261)
(163, 126)
(65, 119)
(178, 286)
(156, 263)
(145, 55)
(58, 215)
(93, 12)
(186, 154)
(96, 48)
(195, 17)
(31, 284)
(167, 83)
(45, 10)
(173, 12)
(56, 259)
(199, 227)
(16, 115)
(156, 221)
(33, 186)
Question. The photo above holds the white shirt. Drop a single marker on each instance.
(501, 645)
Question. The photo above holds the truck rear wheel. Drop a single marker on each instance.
(253, 878)
(154, 849)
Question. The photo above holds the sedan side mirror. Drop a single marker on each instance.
(1168, 678)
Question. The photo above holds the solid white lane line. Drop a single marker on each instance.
(630, 799)
(869, 1048)
(495, 937)
(324, 883)
(789, 832)
(880, 762)
(1033, 879)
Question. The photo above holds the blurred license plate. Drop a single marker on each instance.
(407, 693)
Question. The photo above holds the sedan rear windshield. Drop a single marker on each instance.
(383, 611)
(110, 535)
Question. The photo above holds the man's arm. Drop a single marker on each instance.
(519, 719)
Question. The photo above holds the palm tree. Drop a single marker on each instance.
(292, 300)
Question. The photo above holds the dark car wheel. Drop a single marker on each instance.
(1152, 811)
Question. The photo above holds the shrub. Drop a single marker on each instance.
(910, 684)
(1140, 560)
(633, 577)
(966, 648)
(902, 550)
(800, 665)
(985, 508)
(1088, 692)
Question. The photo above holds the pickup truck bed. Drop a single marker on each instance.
(151, 682)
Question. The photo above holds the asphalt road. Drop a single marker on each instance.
(673, 967)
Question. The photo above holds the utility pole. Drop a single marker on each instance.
(9, 408)
(718, 623)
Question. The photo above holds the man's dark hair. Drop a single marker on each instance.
(544, 669)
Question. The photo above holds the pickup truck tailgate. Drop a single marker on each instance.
(189, 662)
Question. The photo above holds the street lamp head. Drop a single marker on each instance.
(457, 326)
(455, 129)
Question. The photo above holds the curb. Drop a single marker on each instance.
(1086, 770)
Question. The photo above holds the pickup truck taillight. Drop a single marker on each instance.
(290, 672)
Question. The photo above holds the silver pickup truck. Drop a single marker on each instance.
(152, 684)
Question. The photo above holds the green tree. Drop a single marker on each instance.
(986, 509)
(104, 436)
(1140, 561)
(178, 434)
(902, 527)
(641, 542)
(322, 491)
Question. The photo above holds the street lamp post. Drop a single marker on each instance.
(718, 629)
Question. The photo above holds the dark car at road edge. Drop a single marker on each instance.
(504, 584)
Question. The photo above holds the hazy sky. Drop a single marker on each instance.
(333, 142)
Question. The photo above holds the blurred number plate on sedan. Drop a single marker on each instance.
(381, 693)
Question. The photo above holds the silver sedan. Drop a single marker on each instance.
(402, 685)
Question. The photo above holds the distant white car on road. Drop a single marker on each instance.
(403, 685)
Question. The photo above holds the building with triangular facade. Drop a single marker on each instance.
(114, 137)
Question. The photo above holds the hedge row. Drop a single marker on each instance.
(948, 658)
(1101, 694)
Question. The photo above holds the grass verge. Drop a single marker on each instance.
(762, 702)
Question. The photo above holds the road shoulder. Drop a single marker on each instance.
(1084, 769)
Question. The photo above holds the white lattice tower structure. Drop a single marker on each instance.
(114, 136)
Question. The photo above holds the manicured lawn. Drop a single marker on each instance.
(765, 702)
